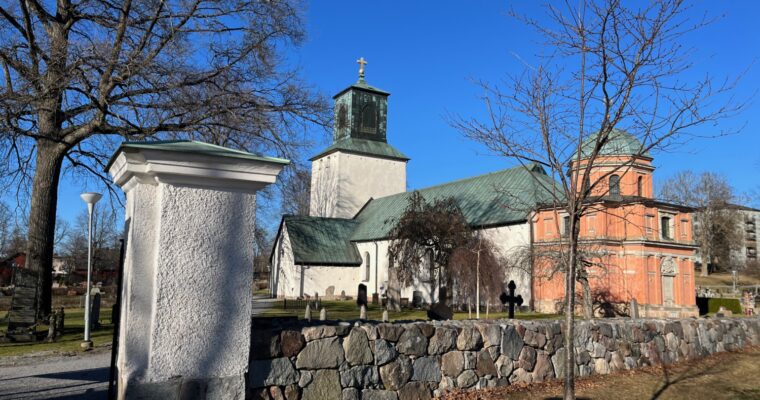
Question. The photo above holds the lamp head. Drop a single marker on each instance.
(91, 197)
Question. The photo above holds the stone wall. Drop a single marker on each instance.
(418, 360)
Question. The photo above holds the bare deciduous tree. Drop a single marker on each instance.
(477, 266)
(422, 242)
(77, 76)
(717, 226)
(295, 188)
(610, 67)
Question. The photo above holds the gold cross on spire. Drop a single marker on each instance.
(362, 62)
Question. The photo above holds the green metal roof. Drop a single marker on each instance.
(364, 146)
(195, 147)
(498, 198)
(619, 143)
(362, 84)
(322, 241)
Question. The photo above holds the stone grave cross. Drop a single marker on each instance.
(511, 299)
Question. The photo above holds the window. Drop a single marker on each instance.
(369, 119)
(751, 252)
(639, 186)
(591, 224)
(566, 225)
(366, 267)
(614, 185)
(665, 228)
(684, 227)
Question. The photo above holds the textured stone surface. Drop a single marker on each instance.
(278, 371)
(511, 343)
(444, 340)
(264, 345)
(469, 339)
(427, 330)
(321, 353)
(490, 333)
(385, 352)
(395, 374)
(374, 394)
(452, 363)
(318, 332)
(527, 359)
(390, 332)
(544, 370)
(467, 379)
(360, 376)
(623, 344)
(426, 369)
(414, 391)
(412, 342)
(292, 342)
(356, 347)
(351, 394)
(324, 385)
(292, 392)
(484, 364)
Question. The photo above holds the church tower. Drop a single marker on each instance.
(360, 164)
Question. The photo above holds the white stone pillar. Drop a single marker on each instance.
(188, 267)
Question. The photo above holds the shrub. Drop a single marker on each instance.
(713, 304)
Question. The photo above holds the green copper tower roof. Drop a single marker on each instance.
(619, 143)
(363, 147)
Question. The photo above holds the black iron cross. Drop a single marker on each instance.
(511, 299)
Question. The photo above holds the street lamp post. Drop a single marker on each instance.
(90, 198)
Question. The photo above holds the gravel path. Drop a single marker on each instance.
(83, 376)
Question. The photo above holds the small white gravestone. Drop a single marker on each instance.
(363, 312)
(186, 300)
(385, 315)
(307, 314)
(322, 314)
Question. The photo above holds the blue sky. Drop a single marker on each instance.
(428, 54)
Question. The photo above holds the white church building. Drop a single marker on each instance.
(358, 191)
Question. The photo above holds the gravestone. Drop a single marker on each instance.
(322, 314)
(634, 309)
(342, 294)
(417, 299)
(361, 297)
(375, 298)
(330, 292)
(511, 298)
(21, 316)
(307, 313)
(363, 312)
(95, 311)
(385, 315)
(440, 311)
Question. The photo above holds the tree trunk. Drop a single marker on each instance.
(394, 290)
(569, 392)
(588, 302)
(41, 237)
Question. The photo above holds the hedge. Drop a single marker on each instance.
(713, 304)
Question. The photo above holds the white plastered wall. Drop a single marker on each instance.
(341, 183)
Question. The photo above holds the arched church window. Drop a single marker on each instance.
(614, 185)
(639, 186)
(342, 117)
(366, 267)
(369, 118)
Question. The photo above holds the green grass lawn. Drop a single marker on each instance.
(347, 310)
(69, 342)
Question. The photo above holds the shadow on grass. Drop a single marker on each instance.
(682, 373)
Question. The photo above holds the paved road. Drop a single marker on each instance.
(82, 376)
